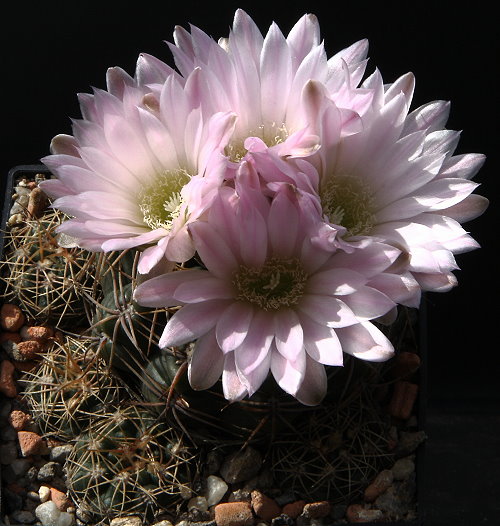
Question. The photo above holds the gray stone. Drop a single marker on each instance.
(60, 453)
(48, 471)
(216, 489)
(241, 466)
(48, 514)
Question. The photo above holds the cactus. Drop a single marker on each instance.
(335, 453)
(206, 416)
(47, 281)
(128, 462)
(70, 387)
(129, 332)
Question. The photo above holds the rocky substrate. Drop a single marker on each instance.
(236, 489)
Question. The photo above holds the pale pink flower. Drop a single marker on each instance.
(270, 300)
(262, 79)
(397, 180)
(140, 166)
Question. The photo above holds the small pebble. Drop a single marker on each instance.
(403, 399)
(19, 419)
(34, 496)
(316, 510)
(38, 333)
(37, 202)
(30, 443)
(7, 381)
(403, 468)
(15, 219)
(11, 317)
(264, 507)
(234, 514)
(44, 493)
(382, 481)
(216, 489)
(60, 453)
(197, 503)
(239, 495)
(48, 514)
(294, 509)
(241, 466)
(48, 471)
(357, 513)
(28, 350)
(126, 521)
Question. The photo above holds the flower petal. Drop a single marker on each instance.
(206, 364)
(321, 342)
(232, 326)
(289, 374)
(191, 322)
(365, 341)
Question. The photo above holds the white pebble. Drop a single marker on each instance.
(198, 503)
(49, 515)
(216, 489)
(44, 493)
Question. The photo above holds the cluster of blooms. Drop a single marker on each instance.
(313, 201)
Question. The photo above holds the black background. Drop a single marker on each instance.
(52, 51)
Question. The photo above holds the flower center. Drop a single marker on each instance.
(347, 201)
(271, 134)
(160, 202)
(278, 283)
